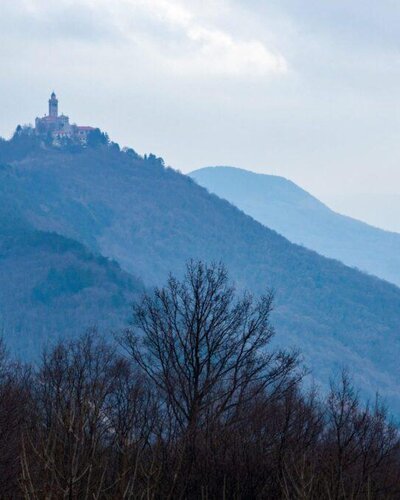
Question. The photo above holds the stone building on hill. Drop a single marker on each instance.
(59, 126)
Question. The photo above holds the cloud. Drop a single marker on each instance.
(180, 38)
(48, 21)
(207, 49)
(216, 52)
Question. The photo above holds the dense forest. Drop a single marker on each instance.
(53, 287)
(191, 401)
(150, 220)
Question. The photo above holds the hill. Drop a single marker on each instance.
(53, 287)
(152, 219)
(283, 206)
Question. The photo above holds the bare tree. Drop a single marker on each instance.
(205, 349)
(15, 382)
(65, 451)
(361, 446)
(134, 418)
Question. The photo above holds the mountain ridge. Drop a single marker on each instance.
(152, 219)
(285, 207)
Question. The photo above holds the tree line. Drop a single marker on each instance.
(190, 402)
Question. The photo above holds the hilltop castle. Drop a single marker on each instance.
(58, 125)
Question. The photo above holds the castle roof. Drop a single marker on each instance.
(49, 118)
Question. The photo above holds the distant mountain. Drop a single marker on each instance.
(53, 287)
(152, 219)
(283, 206)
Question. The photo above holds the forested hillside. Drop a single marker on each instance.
(281, 205)
(152, 219)
(53, 288)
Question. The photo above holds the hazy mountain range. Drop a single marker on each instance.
(282, 205)
(151, 219)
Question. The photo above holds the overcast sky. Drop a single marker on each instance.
(304, 89)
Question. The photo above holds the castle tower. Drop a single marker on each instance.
(53, 106)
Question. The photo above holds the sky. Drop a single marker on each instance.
(305, 90)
